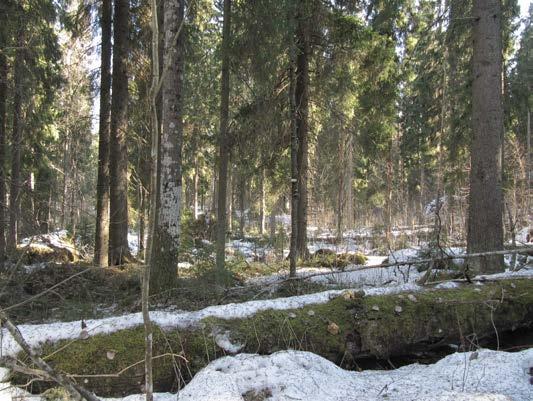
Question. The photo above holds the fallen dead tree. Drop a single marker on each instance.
(344, 330)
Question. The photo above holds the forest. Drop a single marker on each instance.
(266, 200)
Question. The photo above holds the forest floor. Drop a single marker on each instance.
(48, 293)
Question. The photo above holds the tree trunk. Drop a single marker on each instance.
(16, 144)
(485, 220)
(231, 187)
(529, 167)
(302, 124)
(272, 223)
(242, 205)
(341, 185)
(3, 155)
(388, 196)
(166, 242)
(348, 183)
(196, 183)
(293, 246)
(118, 163)
(101, 243)
(142, 220)
(262, 194)
(223, 141)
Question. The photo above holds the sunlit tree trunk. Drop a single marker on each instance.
(262, 195)
(293, 246)
(302, 123)
(16, 144)
(101, 243)
(196, 188)
(167, 233)
(223, 141)
(3, 175)
(118, 163)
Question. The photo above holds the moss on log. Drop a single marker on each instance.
(346, 328)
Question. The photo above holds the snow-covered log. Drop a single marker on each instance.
(347, 328)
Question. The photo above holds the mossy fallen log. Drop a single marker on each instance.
(346, 328)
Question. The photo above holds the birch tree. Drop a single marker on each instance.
(167, 231)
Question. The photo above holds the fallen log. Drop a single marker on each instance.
(345, 329)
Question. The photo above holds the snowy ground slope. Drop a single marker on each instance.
(295, 375)
(374, 281)
(53, 332)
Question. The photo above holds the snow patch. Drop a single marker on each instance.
(481, 376)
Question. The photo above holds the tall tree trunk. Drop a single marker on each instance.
(348, 183)
(165, 253)
(3, 175)
(101, 243)
(262, 216)
(529, 176)
(16, 144)
(231, 187)
(293, 246)
(142, 221)
(196, 183)
(485, 225)
(302, 124)
(341, 186)
(272, 222)
(118, 164)
(388, 196)
(242, 199)
(64, 168)
(223, 141)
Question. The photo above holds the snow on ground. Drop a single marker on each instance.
(347, 246)
(384, 276)
(295, 375)
(249, 250)
(53, 332)
(58, 239)
(522, 236)
(482, 375)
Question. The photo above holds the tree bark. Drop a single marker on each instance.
(3, 175)
(223, 141)
(16, 144)
(231, 187)
(242, 200)
(101, 243)
(196, 188)
(302, 123)
(118, 163)
(295, 195)
(142, 220)
(262, 194)
(485, 219)
(167, 233)
(348, 183)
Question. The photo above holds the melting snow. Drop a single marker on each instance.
(295, 375)
(53, 332)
